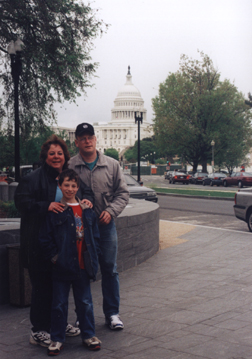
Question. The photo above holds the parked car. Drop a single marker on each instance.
(179, 176)
(239, 179)
(198, 177)
(243, 206)
(24, 170)
(214, 179)
(137, 190)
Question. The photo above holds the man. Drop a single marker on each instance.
(104, 176)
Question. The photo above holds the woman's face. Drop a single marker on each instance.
(55, 157)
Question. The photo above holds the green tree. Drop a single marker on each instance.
(147, 149)
(111, 152)
(6, 148)
(56, 62)
(249, 101)
(194, 107)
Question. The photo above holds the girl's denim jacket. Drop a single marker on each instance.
(57, 240)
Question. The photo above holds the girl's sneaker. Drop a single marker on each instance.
(92, 343)
(54, 348)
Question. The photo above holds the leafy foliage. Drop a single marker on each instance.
(56, 62)
(193, 108)
(8, 210)
(111, 152)
(249, 101)
(147, 149)
(29, 149)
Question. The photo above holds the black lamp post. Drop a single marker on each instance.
(138, 119)
(14, 49)
(212, 144)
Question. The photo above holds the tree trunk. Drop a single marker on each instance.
(195, 165)
(204, 166)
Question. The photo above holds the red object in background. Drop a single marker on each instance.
(3, 178)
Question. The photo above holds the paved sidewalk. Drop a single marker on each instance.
(192, 300)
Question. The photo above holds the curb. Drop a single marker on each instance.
(190, 196)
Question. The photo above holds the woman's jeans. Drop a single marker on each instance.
(83, 304)
(107, 260)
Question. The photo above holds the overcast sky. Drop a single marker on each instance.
(150, 36)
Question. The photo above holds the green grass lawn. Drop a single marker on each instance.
(196, 192)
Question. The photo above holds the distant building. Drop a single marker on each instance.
(121, 132)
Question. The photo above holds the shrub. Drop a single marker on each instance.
(8, 210)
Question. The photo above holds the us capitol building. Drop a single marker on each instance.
(122, 131)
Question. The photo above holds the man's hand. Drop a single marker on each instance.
(105, 218)
(87, 202)
(56, 207)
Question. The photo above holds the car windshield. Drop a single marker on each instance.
(131, 181)
(246, 174)
(219, 174)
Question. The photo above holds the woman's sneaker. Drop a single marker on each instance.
(40, 338)
(114, 322)
(54, 348)
(72, 331)
(92, 343)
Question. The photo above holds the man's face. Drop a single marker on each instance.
(86, 144)
(69, 189)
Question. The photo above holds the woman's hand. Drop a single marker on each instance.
(56, 207)
(87, 202)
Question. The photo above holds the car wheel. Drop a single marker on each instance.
(249, 220)
(225, 183)
(173, 182)
(240, 185)
(211, 183)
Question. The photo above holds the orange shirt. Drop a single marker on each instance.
(77, 211)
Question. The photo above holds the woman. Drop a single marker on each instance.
(36, 194)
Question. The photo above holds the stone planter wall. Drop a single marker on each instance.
(138, 239)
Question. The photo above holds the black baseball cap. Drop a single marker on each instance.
(84, 128)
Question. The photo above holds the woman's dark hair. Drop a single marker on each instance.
(54, 140)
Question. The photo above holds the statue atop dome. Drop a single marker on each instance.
(128, 71)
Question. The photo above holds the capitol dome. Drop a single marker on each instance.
(127, 101)
(121, 132)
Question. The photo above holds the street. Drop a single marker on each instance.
(204, 212)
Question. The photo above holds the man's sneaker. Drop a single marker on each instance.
(114, 322)
(72, 331)
(40, 338)
(92, 343)
(54, 348)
